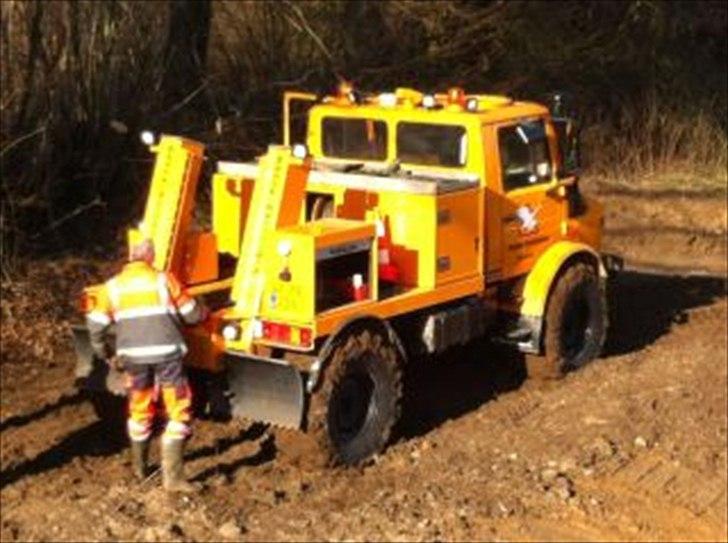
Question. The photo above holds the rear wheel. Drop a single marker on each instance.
(576, 322)
(359, 402)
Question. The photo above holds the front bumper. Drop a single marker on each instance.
(265, 390)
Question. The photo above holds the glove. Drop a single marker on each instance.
(116, 362)
(202, 310)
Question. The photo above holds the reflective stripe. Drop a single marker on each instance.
(138, 431)
(188, 307)
(113, 288)
(98, 317)
(162, 289)
(152, 350)
(136, 285)
(137, 312)
(176, 430)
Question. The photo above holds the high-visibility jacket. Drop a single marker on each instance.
(148, 308)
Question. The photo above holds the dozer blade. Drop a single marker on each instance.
(265, 390)
(92, 373)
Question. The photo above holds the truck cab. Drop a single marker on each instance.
(508, 150)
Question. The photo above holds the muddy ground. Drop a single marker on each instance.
(632, 447)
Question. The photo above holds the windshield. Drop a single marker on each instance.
(363, 139)
(432, 144)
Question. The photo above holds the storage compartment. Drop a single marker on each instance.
(459, 227)
(316, 267)
(343, 279)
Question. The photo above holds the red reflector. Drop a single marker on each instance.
(87, 302)
(282, 333)
(274, 331)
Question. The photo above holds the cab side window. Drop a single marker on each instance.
(363, 139)
(524, 155)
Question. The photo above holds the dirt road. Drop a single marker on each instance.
(633, 447)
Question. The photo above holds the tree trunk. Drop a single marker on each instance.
(186, 48)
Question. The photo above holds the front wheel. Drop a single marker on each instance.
(576, 321)
(354, 412)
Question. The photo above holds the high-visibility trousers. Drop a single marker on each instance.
(144, 384)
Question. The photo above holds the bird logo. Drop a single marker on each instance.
(528, 218)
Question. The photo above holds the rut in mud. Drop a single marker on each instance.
(632, 447)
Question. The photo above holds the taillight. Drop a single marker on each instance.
(274, 331)
(285, 333)
(85, 304)
(306, 337)
(87, 301)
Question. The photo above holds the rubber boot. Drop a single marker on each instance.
(139, 458)
(172, 466)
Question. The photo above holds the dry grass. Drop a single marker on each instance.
(659, 146)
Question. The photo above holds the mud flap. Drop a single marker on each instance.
(265, 390)
(92, 373)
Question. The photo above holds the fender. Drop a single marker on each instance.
(317, 367)
(540, 281)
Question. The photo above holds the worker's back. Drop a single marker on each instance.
(147, 306)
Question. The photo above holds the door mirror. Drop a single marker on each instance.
(569, 149)
(563, 114)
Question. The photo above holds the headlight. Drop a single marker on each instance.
(300, 151)
(147, 137)
(284, 248)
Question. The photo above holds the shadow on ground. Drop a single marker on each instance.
(266, 453)
(643, 307)
(94, 439)
(17, 421)
(457, 382)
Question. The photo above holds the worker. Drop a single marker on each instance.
(148, 307)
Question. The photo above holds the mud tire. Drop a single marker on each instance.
(576, 323)
(353, 412)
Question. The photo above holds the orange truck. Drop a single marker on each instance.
(404, 224)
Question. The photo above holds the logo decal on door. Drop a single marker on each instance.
(528, 218)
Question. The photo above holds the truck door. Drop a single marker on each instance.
(530, 211)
